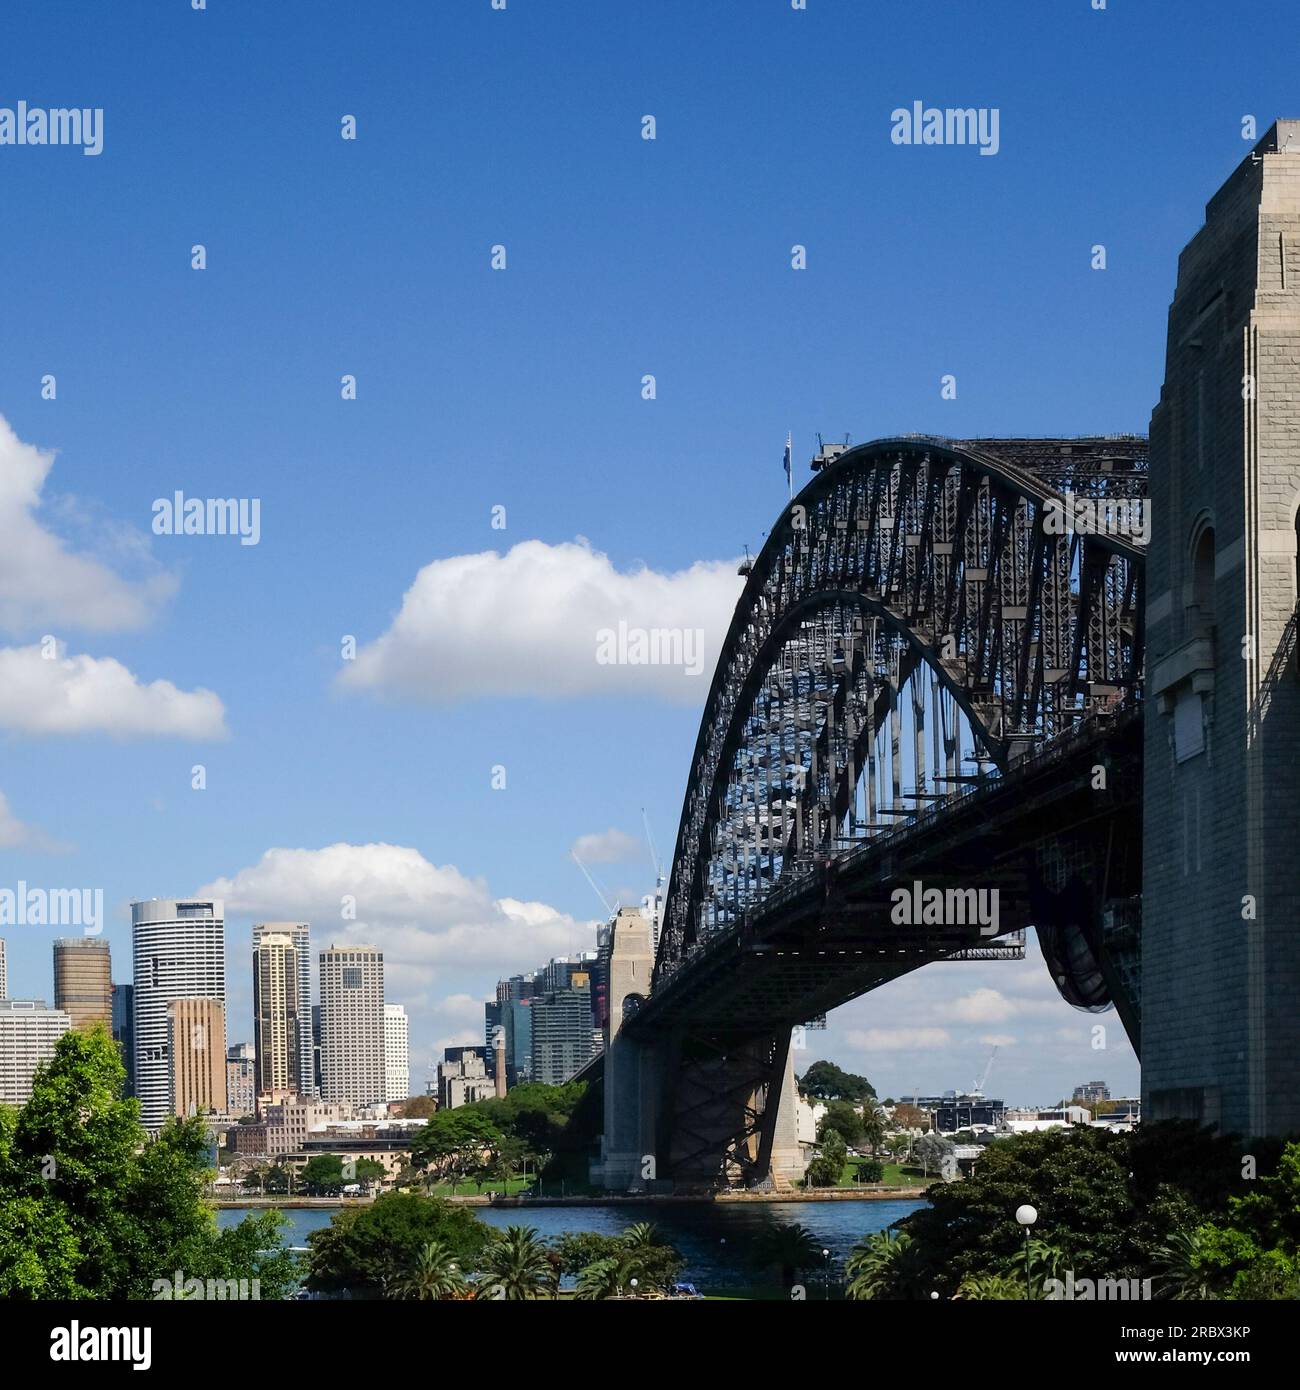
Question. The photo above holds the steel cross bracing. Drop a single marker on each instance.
(915, 620)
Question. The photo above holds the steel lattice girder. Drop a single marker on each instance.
(905, 555)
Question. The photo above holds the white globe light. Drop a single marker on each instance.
(1026, 1215)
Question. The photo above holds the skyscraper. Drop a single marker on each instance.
(275, 1012)
(300, 934)
(29, 1031)
(562, 1041)
(83, 980)
(124, 1030)
(352, 1024)
(179, 952)
(196, 1055)
(241, 1080)
(397, 1063)
(4, 974)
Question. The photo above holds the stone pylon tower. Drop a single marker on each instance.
(1221, 833)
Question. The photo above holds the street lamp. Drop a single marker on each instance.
(826, 1274)
(632, 1285)
(1026, 1216)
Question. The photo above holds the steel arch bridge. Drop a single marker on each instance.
(931, 681)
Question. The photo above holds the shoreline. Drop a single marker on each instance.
(829, 1194)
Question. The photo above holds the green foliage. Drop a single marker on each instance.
(517, 1266)
(578, 1249)
(869, 1170)
(827, 1168)
(433, 1274)
(888, 1264)
(825, 1081)
(322, 1174)
(90, 1208)
(790, 1248)
(366, 1248)
(606, 1265)
(841, 1117)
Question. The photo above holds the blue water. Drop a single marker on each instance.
(713, 1238)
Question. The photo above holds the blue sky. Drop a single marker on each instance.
(522, 388)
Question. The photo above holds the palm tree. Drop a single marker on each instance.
(610, 1277)
(874, 1124)
(885, 1265)
(1004, 1288)
(517, 1266)
(791, 1247)
(433, 1274)
(1178, 1262)
(641, 1235)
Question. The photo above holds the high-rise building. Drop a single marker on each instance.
(83, 980)
(275, 1012)
(463, 1078)
(315, 1047)
(179, 952)
(196, 1054)
(29, 1030)
(1091, 1092)
(561, 1028)
(4, 973)
(397, 1053)
(124, 1031)
(307, 1083)
(352, 1024)
(241, 1080)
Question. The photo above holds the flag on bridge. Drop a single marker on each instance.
(789, 466)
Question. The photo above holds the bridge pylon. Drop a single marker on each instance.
(1221, 817)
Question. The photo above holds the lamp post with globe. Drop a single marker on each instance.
(1026, 1216)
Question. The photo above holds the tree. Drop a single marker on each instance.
(575, 1250)
(370, 1170)
(1004, 1288)
(366, 1247)
(433, 1274)
(419, 1108)
(874, 1124)
(931, 1151)
(322, 1174)
(516, 1266)
(825, 1081)
(610, 1277)
(869, 1170)
(790, 1247)
(827, 1168)
(90, 1207)
(910, 1117)
(456, 1143)
(885, 1265)
(843, 1118)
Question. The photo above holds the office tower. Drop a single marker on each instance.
(29, 1031)
(196, 1054)
(275, 1012)
(315, 1047)
(4, 974)
(83, 980)
(397, 1063)
(352, 1024)
(179, 952)
(561, 1031)
(241, 1080)
(306, 1083)
(124, 1031)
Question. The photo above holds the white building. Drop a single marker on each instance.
(179, 952)
(397, 1053)
(300, 934)
(275, 1012)
(1028, 1121)
(29, 1030)
(352, 1024)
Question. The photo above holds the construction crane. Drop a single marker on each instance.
(978, 1089)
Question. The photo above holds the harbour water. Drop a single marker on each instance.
(714, 1238)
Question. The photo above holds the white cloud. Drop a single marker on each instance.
(896, 1040)
(607, 847)
(425, 917)
(14, 834)
(526, 623)
(86, 694)
(982, 1006)
(43, 583)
